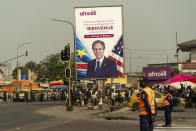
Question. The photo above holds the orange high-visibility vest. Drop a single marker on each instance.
(165, 101)
(151, 101)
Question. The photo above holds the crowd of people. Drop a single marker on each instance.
(185, 92)
(93, 96)
(34, 95)
(81, 97)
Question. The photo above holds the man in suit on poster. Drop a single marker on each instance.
(101, 67)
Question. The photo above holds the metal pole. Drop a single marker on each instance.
(17, 60)
(130, 57)
(69, 87)
(130, 61)
(74, 34)
(69, 108)
(177, 47)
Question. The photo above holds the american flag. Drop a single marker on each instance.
(117, 56)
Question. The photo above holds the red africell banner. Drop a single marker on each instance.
(157, 73)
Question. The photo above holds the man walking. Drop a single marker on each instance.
(5, 96)
(168, 105)
(147, 107)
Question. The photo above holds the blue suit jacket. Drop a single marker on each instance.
(108, 69)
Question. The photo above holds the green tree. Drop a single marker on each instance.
(51, 68)
(31, 65)
(174, 71)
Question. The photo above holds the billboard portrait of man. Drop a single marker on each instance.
(99, 42)
(101, 67)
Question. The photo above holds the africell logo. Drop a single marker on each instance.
(154, 74)
(84, 13)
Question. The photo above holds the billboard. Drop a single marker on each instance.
(99, 42)
(5, 79)
(157, 73)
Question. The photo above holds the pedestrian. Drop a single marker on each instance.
(42, 96)
(112, 97)
(31, 96)
(17, 96)
(147, 107)
(194, 98)
(26, 95)
(167, 105)
(9, 96)
(5, 96)
(190, 92)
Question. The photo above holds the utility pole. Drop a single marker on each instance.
(17, 59)
(65, 56)
(74, 34)
(69, 107)
(129, 57)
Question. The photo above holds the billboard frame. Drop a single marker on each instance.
(123, 40)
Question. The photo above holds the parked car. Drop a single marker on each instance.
(116, 91)
(135, 97)
(21, 95)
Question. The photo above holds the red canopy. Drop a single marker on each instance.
(55, 84)
(180, 77)
(193, 80)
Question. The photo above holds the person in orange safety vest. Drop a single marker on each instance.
(167, 105)
(147, 107)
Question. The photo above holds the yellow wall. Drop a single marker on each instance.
(122, 80)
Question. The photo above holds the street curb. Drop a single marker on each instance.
(101, 112)
(119, 118)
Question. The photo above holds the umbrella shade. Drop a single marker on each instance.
(178, 78)
(177, 85)
(193, 80)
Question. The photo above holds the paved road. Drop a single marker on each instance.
(12, 115)
(175, 128)
(96, 125)
(53, 116)
(34, 117)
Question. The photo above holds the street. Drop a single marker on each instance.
(22, 117)
(53, 116)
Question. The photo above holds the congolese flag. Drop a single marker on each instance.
(82, 58)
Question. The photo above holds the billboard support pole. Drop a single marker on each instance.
(101, 91)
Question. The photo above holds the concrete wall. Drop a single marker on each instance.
(193, 54)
